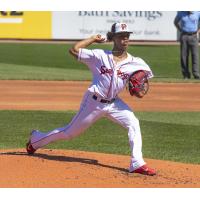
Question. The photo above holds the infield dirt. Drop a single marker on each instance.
(58, 168)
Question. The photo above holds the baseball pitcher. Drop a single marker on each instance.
(112, 71)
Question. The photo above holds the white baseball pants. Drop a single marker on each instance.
(90, 111)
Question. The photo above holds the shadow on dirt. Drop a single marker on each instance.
(65, 159)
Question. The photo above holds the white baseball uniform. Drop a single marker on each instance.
(101, 99)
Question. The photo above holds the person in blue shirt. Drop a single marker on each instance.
(187, 22)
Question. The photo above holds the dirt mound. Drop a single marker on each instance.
(78, 169)
(57, 168)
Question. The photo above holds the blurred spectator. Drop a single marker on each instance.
(187, 22)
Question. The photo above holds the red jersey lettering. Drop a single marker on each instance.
(104, 70)
(122, 75)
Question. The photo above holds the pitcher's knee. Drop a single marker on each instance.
(134, 127)
(134, 123)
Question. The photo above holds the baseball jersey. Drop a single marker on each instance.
(110, 78)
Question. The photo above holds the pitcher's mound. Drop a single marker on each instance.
(72, 169)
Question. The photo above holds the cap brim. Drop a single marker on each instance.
(124, 32)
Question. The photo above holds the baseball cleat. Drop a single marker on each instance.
(29, 148)
(145, 170)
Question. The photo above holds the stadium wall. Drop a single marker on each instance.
(76, 25)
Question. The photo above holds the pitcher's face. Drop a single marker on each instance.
(121, 40)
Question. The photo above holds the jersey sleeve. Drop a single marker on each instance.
(88, 57)
(140, 64)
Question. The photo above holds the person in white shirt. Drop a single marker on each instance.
(111, 71)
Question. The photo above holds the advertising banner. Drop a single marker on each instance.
(146, 25)
(72, 25)
(25, 24)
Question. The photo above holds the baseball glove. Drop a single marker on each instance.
(138, 84)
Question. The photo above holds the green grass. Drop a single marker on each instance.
(167, 136)
(53, 62)
(29, 72)
(46, 55)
